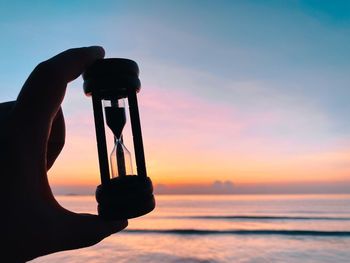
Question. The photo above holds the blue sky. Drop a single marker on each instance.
(298, 47)
(286, 59)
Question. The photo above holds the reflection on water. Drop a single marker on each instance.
(234, 215)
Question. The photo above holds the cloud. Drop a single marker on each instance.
(227, 187)
(218, 187)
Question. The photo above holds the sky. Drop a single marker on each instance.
(234, 93)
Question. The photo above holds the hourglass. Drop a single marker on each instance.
(123, 195)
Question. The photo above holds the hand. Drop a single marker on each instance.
(32, 135)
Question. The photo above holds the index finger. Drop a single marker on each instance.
(43, 92)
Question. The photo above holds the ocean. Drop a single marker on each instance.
(224, 228)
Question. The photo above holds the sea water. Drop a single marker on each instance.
(220, 228)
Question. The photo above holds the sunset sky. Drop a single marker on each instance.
(252, 92)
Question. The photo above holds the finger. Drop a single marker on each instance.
(56, 139)
(43, 92)
(86, 230)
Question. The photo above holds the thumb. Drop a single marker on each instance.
(83, 230)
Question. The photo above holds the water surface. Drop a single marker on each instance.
(235, 228)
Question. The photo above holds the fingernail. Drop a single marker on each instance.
(119, 225)
(98, 51)
(124, 223)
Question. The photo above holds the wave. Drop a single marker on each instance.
(239, 232)
(266, 217)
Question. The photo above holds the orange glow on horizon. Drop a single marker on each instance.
(198, 143)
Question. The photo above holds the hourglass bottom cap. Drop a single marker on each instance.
(125, 197)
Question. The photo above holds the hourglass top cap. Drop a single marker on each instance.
(112, 78)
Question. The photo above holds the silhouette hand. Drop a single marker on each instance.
(32, 135)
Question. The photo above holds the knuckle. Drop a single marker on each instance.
(46, 71)
(43, 67)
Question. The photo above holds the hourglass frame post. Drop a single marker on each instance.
(101, 139)
(137, 134)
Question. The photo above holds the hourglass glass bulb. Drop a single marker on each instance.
(120, 158)
(115, 116)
